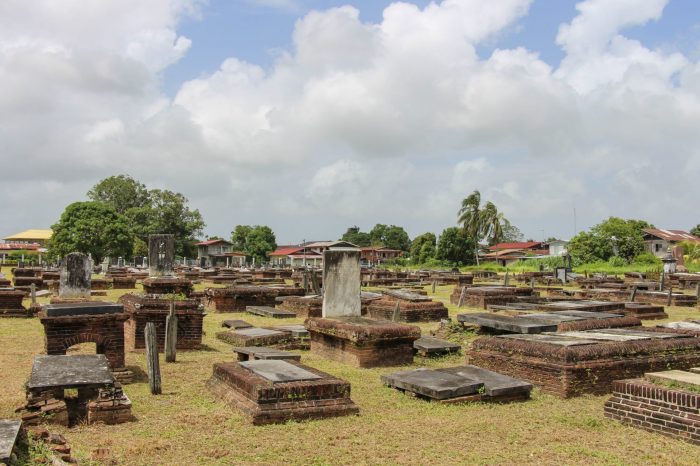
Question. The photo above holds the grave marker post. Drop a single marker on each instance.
(171, 334)
(152, 362)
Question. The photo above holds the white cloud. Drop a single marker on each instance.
(357, 123)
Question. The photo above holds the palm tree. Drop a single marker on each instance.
(493, 223)
(471, 219)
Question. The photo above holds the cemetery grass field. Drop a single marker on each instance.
(186, 425)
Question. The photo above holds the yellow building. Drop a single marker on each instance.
(31, 236)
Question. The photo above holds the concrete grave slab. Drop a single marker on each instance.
(246, 353)
(432, 384)
(430, 345)
(70, 371)
(9, 432)
(235, 324)
(681, 378)
(495, 384)
(279, 371)
(513, 324)
(84, 308)
(297, 331)
(553, 339)
(269, 311)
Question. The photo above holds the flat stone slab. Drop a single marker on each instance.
(70, 371)
(513, 324)
(433, 384)
(263, 352)
(621, 334)
(434, 345)
(9, 431)
(86, 308)
(268, 311)
(682, 325)
(495, 384)
(553, 339)
(235, 324)
(682, 378)
(297, 331)
(257, 332)
(405, 295)
(279, 371)
(42, 293)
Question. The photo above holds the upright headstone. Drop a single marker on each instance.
(161, 255)
(341, 282)
(152, 362)
(76, 276)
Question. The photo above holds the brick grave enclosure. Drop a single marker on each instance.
(565, 366)
(236, 298)
(483, 296)
(105, 330)
(657, 408)
(362, 342)
(11, 304)
(409, 310)
(265, 401)
(144, 308)
(311, 306)
(167, 285)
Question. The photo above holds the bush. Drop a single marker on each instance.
(616, 261)
(647, 258)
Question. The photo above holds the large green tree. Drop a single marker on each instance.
(256, 241)
(695, 230)
(150, 212)
(423, 248)
(93, 228)
(390, 236)
(355, 236)
(612, 237)
(455, 245)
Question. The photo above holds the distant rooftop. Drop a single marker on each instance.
(31, 235)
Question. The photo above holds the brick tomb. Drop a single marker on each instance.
(413, 307)
(310, 306)
(574, 363)
(459, 385)
(546, 322)
(99, 397)
(362, 342)
(236, 298)
(70, 324)
(273, 391)
(144, 308)
(665, 402)
(645, 311)
(11, 303)
(644, 297)
(167, 285)
(281, 337)
(483, 296)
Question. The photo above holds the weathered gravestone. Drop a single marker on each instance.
(9, 433)
(161, 255)
(76, 276)
(341, 283)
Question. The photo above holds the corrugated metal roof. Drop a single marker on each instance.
(521, 245)
(212, 241)
(671, 235)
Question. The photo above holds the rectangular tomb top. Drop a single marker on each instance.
(558, 339)
(681, 378)
(495, 384)
(235, 324)
(70, 371)
(9, 431)
(433, 384)
(682, 325)
(572, 316)
(84, 308)
(297, 331)
(428, 344)
(279, 371)
(622, 334)
(257, 332)
(264, 352)
(268, 311)
(406, 295)
(514, 324)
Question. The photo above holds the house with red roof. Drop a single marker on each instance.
(657, 240)
(507, 253)
(219, 253)
(295, 256)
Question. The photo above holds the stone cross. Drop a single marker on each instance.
(161, 255)
(341, 282)
(76, 276)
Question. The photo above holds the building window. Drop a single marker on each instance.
(657, 247)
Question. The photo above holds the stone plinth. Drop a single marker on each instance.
(574, 363)
(656, 406)
(167, 285)
(66, 325)
(11, 304)
(144, 308)
(362, 342)
(268, 392)
(409, 310)
(236, 298)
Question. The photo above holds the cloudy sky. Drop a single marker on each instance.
(311, 116)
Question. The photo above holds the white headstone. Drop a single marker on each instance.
(341, 282)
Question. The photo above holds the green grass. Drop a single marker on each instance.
(186, 425)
